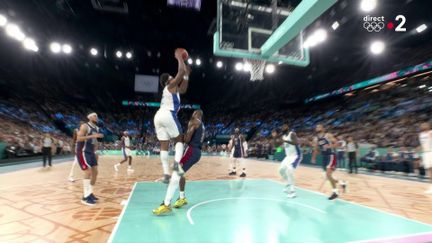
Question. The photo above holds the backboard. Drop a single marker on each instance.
(268, 30)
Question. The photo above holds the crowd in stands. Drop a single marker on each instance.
(387, 116)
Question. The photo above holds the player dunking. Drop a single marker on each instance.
(425, 138)
(74, 140)
(194, 138)
(237, 150)
(326, 143)
(166, 122)
(125, 143)
(293, 157)
(85, 152)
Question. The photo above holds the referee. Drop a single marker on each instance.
(47, 143)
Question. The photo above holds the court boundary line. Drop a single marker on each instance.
(391, 237)
(191, 221)
(360, 205)
(119, 219)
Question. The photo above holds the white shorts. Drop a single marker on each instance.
(167, 125)
(427, 160)
(126, 152)
(293, 161)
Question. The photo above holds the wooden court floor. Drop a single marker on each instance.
(40, 205)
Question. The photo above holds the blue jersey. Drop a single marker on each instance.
(198, 136)
(324, 145)
(89, 144)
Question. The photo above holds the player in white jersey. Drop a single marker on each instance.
(293, 157)
(126, 145)
(166, 122)
(425, 138)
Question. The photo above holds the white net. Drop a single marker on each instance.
(256, 68)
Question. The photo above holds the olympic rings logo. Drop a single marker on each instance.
(373, 26)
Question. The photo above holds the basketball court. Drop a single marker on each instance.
(257, 211)
(46, 207)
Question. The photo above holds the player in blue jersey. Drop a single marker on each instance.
(293, 156)
(166, 123)
(87, 159)
(237, 146)
(326, 143)
(194, 138)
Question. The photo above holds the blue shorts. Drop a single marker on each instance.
(238, 153)
(190, 157)
(86, 160)
(329, 161)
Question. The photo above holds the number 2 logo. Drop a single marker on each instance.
(400, 27)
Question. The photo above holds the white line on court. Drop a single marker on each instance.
(390, 238)
(121, 215)
(189, 212)
(360, 205)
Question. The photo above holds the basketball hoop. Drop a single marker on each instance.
(256, 68)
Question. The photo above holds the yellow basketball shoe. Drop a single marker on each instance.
(180, 202)
(162, 209)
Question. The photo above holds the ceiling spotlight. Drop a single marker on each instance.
(247, 67)
(317, 37)
(30, 44)
(377, 47)
(119, 54)
(67, 49)
(15, 32)
(321, 35)
(335, 25)
(128, 55)
(190, 61)
(3, 20)
(239, 66)
(421, 28)
(198, 62)
(368, 5)
(219, 64)
(93, 51)
(270, 68)
(280, 62)
(55, 47)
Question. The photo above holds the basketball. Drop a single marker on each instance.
(183, 52)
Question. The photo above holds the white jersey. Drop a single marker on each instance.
(170, 101)
(126, 141)
(426, 141)
(290, 150)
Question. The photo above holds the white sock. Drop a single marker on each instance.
(90, 189)
(179, 147)
(336, 191)
(182, 195)
(172, 187)
(165, 164)
(71, 174)
(86, 187)
(129, 166)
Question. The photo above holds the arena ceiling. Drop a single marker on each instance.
(152, 30)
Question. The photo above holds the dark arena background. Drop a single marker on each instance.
(299, 121)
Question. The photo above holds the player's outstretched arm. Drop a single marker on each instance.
(184, 84)
(333, 141)
(180, 73)
(314, 150)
